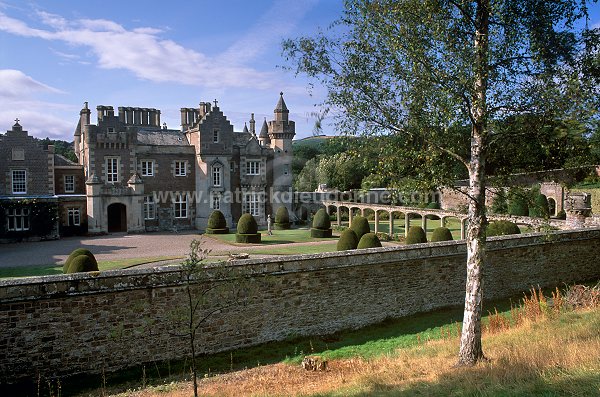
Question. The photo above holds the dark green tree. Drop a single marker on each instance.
(422, 71)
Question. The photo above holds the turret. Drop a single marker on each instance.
(263, 137)
(281, 110)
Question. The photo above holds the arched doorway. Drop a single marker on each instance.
(117, 218)
(551, 206)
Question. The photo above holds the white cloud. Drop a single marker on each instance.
(17, 84)
(141, 51)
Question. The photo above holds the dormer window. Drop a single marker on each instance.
(216, 136)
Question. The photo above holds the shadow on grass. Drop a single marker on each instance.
(374, 340)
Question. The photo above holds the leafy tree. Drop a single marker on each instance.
(423, 72)
(341, 171)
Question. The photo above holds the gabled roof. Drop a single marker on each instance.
(61, 161)
(164, 137)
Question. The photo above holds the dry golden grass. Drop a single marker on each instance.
(557, 354)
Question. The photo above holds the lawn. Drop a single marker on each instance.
(279, 237)
(47, 270)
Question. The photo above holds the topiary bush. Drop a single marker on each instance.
(561, 215)
(441, 234)
(360, 226)
(517, 202)
(369, 240)
(501, 228)
(217, 223)
(433, 205)
(416, 235)
(82, 263)
(539, 207)
(321, 225)
(247, 230)
(347, 241)
(282, 218)
(77, 252)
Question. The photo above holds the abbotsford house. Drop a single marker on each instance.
(135, 175)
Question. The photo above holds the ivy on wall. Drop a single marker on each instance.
(43, 216)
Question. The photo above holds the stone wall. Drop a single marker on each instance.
(115, 319)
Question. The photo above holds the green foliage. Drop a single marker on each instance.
(247, 225)
(63, 148)
(43, 216)
(307, 180)
(248, 238)
(369, 240)
(360, 226)
(217, 223)
(499, 203)
(321, 220)
(561, 215)
(433, 206)
(348, 240)
(82, 263)
(416, 235)
(441, 234)
(78, 252)
(518, 200)
(539, 207)
(502, 228)
(282, 218)
(320, 233)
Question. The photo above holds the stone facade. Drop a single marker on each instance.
(90, 323)
(143, 177)
(29, 172)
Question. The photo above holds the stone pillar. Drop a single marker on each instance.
(579, 207)
(349, 217)
(406, 224)
(391, 223)
(339, 216)
(157, 117)
(376, 221)
(424, 223)
(137, 114)
(129, 115)
(362, 212)
(135, 217)
(95, 212)
(443, 221)
(463, 228)
(144, 113)
(121, 114)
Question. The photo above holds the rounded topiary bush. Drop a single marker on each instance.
(441, 234)
(517, 203)
(347, 241)
(321, 225)
(247, 230)
(82, 263)
(369, 240)
(433, 206)
(416, 235)
(360, 225)
(217, 223)
(282, 218)
(77, 252)
(501, 228)
(539, 207)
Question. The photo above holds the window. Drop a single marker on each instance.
(18, 154)
(19, 181)
(180, 168)
(111, 129)
(253, 167)
(69, 183)
(149, 207)
(74, 217)
(216, 201)
(112, 169)
(232, 166)
(216, 136)
(148, 168)
(181, 205)
(286, 169)
(216, 175)
(252, 204)
(17, 219)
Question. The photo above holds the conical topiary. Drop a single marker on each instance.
(247, 230)
(76, 253)
(347, 241)
(360, 225)
(416, 235)
(539, 207)
(321, 225)
(82, 263)
(217, 223)
(282, 218)
(441, 234)
(369, 240)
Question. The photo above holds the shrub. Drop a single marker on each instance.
(347, 241)
(82, 263)
(433, 206)
(517, 202)
(320, 233)
(217, 223)
(247, 225)
(501, 228)
(539, 207)
(416, 235)
(500, 205)
(321, 220)
(360, 226)
(369, 240)
(282, 218)
(77, 252)
(248, 238)
(561, 215)
(382, 236)
(441, 234)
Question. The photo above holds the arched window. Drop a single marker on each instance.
(551, 206)
(217, 175)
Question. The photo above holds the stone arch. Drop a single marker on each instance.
(552, 206)
(116, 215)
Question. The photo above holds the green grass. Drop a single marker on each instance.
(278, 237)
(47, 270)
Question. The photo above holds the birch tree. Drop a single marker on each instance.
(420, 69)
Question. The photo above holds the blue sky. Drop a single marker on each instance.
(55, 55)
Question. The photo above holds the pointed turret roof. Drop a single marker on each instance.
(264, 131)
(281, 107)
(245, 128)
